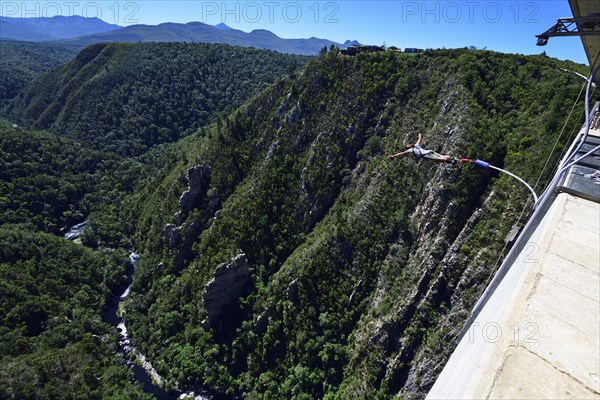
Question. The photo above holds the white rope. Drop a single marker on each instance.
(535, 198)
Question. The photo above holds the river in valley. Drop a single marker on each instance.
(144, 373)
(75, 231)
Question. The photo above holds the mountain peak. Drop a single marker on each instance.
(82, 31)
(223, 26)
(263, 32)
(52, 28)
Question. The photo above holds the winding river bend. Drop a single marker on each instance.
(145, 374)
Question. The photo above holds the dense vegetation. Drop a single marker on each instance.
(44, 177)
(53, 342)
(360, 266)
(23, 61)
(128, 97)
(362, 269)
(50, 180)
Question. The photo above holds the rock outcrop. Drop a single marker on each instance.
(230, 281)
(199, 179)
(260, 326)
(292, 292)
(172, 235)
(182, 235)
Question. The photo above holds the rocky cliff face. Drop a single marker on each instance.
(181, 236)
(440, 274)
(199, 179)
(358, 270)
(230, 281)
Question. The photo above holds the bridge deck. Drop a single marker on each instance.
(536, 334)
(539, 334)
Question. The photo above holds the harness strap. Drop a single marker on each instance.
(419, 153)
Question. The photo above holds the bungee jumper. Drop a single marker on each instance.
(420, 153)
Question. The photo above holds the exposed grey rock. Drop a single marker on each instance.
(214, 201)
(512, 235)
(199, 179)
(179, 218)
(183, 235)
(172, 235)
(230, 282)
(281, 110)
(292, 291)
(272, 148)
(260, 326)
(293, 114)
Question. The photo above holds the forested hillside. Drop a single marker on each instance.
(127, 97)
(53, 342)
(282, 254)
(23, 61)
(49, 182)
(111, 102)
(300, 262)
(44, 177)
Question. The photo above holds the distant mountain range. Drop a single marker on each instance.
(85, 31)
(55, 28)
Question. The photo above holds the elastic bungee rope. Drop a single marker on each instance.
(485, 164)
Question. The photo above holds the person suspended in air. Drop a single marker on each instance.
(420, 153)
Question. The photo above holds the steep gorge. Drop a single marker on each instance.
(363, 269)
(283, 255)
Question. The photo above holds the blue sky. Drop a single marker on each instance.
(502, 25)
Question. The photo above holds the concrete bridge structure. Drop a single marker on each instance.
(535, 333)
